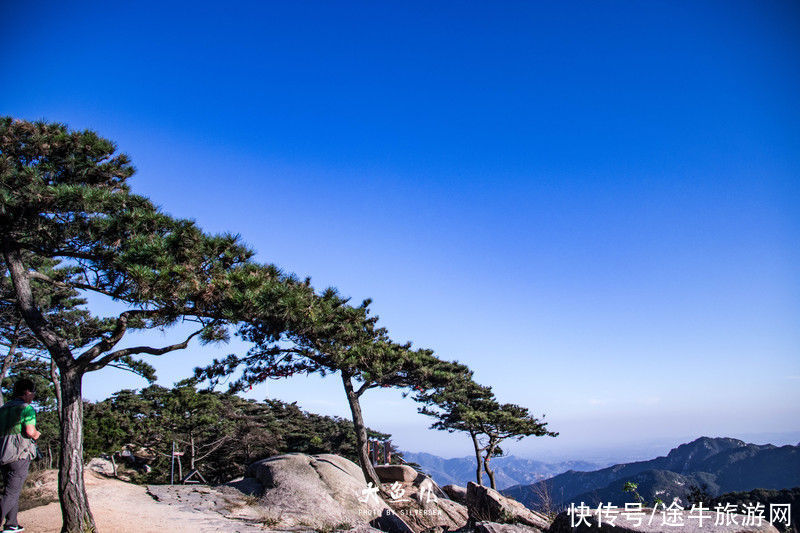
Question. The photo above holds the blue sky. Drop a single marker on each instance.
(593, 205)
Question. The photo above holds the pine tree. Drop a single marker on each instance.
(464, 405)
(336, 337)
(64, 198)
(508, 421)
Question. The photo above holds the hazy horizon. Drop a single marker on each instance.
(633, 451)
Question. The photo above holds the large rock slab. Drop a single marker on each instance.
(101, 466)
(361, 528)
(392, 473)
(488, 505)
(424, 506)
(199, 498)
(494, 527)
(456, 493)
(660, 521)
(320, 492)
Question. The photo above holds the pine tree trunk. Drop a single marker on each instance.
(71, 490)
(191, 454)
(361, 432)
(8, 361)
(478, 461)
(489, 471)
(57, 384)
(491, 474)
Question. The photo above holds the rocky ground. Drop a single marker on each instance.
(324, 493)
(121, 507)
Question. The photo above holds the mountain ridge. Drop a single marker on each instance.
(510, 470)
(720, 464)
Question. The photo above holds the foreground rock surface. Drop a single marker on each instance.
(456, 493)
(488, 505)
(563, 523)
(299, 492)
(320, 492)
(234, 505)
(120, 507)
(424, 506)
(392, 473)
(494, 527)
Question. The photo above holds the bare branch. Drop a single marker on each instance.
(365, 387)
(214, 447)
(65, 253)
(122, 367)
(109, 342)
(112, 356)
(54, 377)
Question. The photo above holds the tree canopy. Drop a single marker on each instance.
(68, 223)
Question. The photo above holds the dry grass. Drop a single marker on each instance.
(327, 527)
(269, 519)
(544, 503)
(249, 499)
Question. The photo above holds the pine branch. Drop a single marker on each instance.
(109, 342)
(110, 357)
(365, 387)
(33, 274)
(214, 445)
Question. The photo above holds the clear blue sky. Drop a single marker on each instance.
(594, 205)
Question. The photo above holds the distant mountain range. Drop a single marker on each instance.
(721, 465)
(509, 470)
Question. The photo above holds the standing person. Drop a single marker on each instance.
(17, 448)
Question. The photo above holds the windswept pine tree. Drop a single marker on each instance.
(459, 407)
(336, 337)
(508, 421)
(69, 223)
(464, 405)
